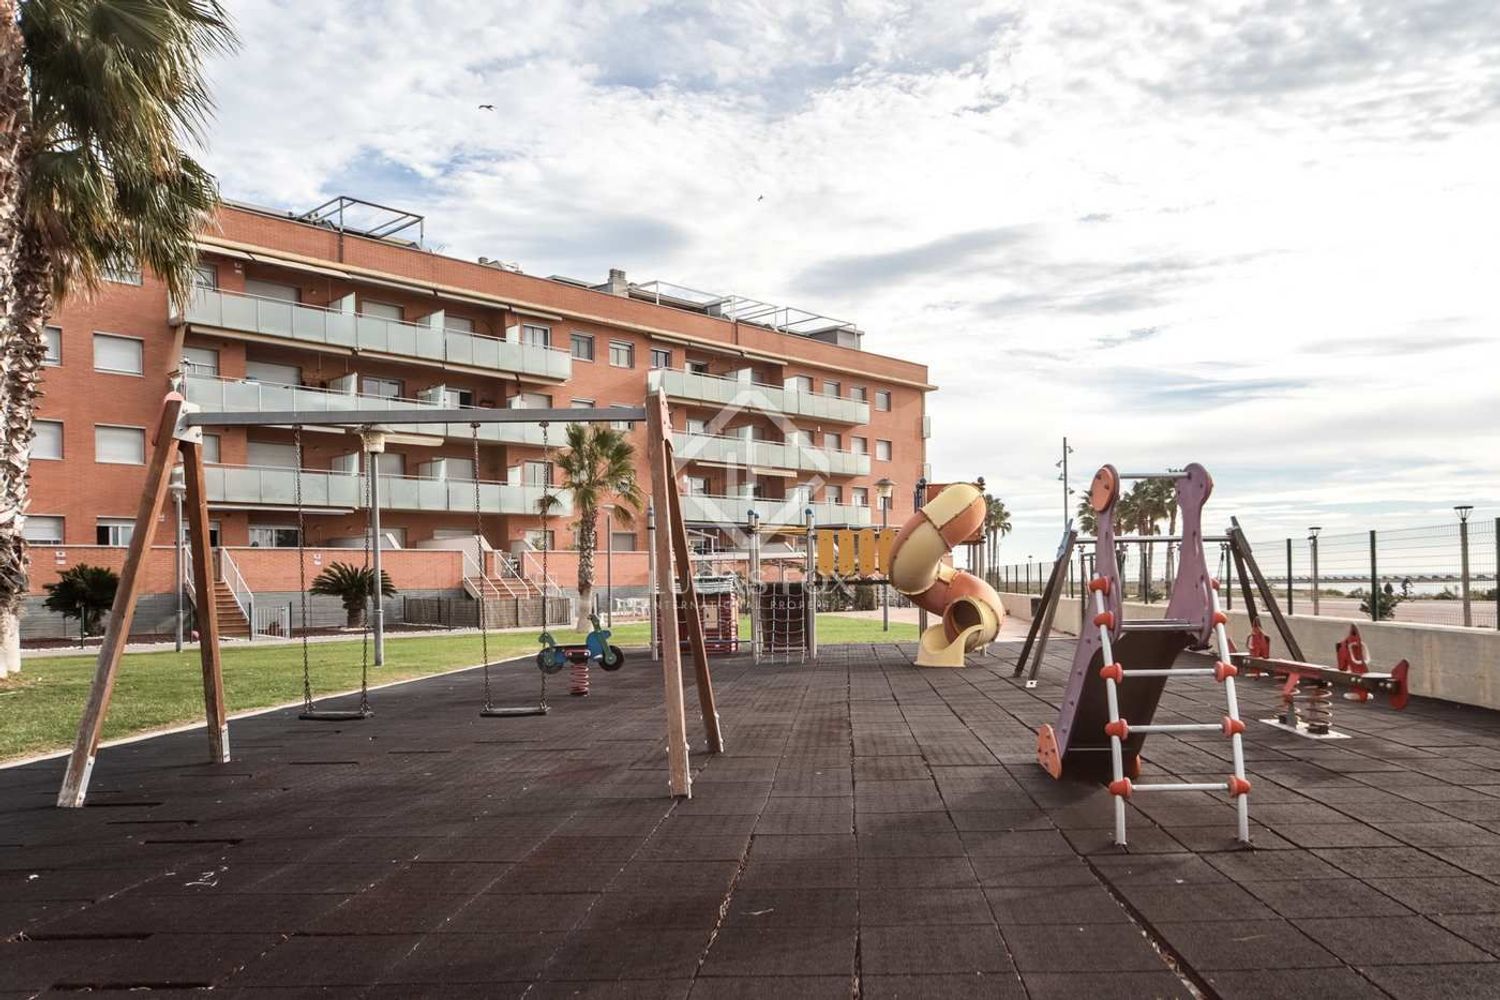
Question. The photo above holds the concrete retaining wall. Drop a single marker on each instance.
(1455, 664)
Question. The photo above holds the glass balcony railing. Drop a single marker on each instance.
(222, 395)
(769, 454)
(322, 488)
(331, 327)
(728, 392)
(704, 508)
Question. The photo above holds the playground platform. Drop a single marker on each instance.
(871, 827)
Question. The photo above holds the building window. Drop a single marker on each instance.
(116, 531)
(621, 354)
(206, 276)
(882, 399)
(455, 399)
(860, 446)
(119, 355)
(536, 336)
(883, 451)
(273, 536)
(211, 448)
(458, 324)
(539, 539)
(830, 388)
(119, 445)
(123, 273)
(583, 346)
(623, 541)
(621, 425)
(275, 290)
(531, 401)
(698, 367)
(581, 404)
(43, 529)
(859, 393)
(382, 310)
(800, 383)
(48, 442)
(52, 337)
(695, 485)
(834, 494)
(860, 496)
(661, 357)
(697, 425)
(200, 361)
(385, 388)
(834, 441)
(537, 473)
(266, 371)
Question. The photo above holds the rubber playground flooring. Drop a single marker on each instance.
(873, 830)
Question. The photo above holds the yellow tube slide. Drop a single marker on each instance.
(970, 608)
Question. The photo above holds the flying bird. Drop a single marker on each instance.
(761, 198)
(486, 107)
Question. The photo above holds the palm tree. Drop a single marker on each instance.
(84, 592)
(1088, 519)
(351, 585)
(597, 467)
(96, 100)
(996, 526)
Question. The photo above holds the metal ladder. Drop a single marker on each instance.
(1222, 672)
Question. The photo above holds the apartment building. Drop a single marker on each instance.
(772, 407)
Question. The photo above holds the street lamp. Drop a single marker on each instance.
(883, 489)
(178, 485)
(1312, 541)
(1463, 510)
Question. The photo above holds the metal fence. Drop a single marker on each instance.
(1439, 575)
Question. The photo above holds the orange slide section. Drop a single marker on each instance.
(970, 608)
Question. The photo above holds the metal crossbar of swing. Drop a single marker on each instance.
(360, 418)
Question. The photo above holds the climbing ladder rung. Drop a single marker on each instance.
(1184, 786)
(1180, 727)
(1178, 672)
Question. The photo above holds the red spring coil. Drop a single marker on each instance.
(580, 685)
(1317, 706)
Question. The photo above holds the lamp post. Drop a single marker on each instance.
(1063, 478)
(178, 486)
(1463, 511)
(883, 489)
(1312, 542)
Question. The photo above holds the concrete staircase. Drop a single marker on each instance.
(232, 621)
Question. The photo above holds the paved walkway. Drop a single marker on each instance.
(873, 830)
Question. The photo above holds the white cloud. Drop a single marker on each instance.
(1295, 200)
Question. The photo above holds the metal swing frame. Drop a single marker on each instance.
(179, 430)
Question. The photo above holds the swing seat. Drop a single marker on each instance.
(509, 713)
(336, 715)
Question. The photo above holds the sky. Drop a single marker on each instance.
(1252, 235)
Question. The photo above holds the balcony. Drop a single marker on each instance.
(728, 392)
(276, 487)
(701, 508)
(769, 455)
(334, 328)
(216, 394)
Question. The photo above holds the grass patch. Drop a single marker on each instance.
(39, 707)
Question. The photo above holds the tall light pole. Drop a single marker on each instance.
(374, 445)
(1063, 477)
(178, 486)
(1312, 541)
(1463, 511)
(883, 489)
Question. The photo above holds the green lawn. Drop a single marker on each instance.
(39, 708)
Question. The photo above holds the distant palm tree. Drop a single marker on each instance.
(96, 99)
(351, 585)
(1088, 519)
(597, 467)
(996, 526)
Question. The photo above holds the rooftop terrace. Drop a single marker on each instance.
(873, 830)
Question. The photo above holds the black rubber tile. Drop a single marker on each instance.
(30, 966)
(1063, 904)
(1325, 898)
(778, 873)
(1390, 862)
(914, 907)
(917, 824)
(1246, 866)
(1453, 833)
(1160, 869)
(673, 847)
(932, 949)
(708, 826)
(1116, 947)
(1141, 838)
(683, 911)
(794, 908)
(505, 914)
(1207, 902)
(1478, 860)
(930, 873)
(630, 953)
(747, 951)
(1435, 896)
(1016, 843)
(911, 845)
(676, 876)
(444, 878)
(1106, 986)
(381, 912)
(474, 958)
(781, 987)
(1292, 984)
(953, 986)
(1032, 872)
(1401, 941)
(1000, 819)
(804, 823)
(1244, 945)
(632, 989)
(806, 848)
(1435, 982)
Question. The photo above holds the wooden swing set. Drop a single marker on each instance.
(179, 431)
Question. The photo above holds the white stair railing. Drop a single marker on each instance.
(478, 583)
(244, 597)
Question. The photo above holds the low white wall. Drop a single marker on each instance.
(1455, 664)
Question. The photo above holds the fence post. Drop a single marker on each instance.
(1312, 541)
(1289, 576)
(1374, 582)
(1463, 567)
(1227, 591)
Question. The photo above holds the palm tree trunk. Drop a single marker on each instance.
(23, 307)
(587, 530)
